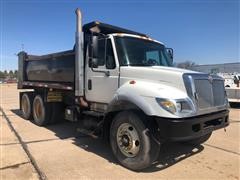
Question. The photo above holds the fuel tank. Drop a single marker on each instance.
(51, 69)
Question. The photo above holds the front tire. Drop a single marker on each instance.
(132, 142)
(41, 111)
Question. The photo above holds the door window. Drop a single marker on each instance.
(110, 61)
(101, 52)
(105, 54)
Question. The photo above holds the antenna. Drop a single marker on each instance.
(22, 47)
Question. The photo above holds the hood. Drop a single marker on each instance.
(166, 75)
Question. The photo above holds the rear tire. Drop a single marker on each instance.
(41, 111)
(199, 140)
(26, 105)
(132, 142)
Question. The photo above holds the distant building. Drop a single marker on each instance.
(218, 68)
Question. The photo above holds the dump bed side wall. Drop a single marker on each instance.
(56, 69)
(60, 69)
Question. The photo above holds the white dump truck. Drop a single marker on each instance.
(121, 86)
(232, 85)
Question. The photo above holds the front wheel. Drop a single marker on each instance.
(132, 142)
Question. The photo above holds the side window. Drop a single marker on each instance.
(110, 62)
(101, 52)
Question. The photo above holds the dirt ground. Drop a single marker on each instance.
(58, 152)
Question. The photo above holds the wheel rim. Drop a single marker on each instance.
(25, 105)
(128, 140)
(38, 109)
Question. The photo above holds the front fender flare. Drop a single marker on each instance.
(126, 102)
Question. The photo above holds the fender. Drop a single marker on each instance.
(126, 102)
(142, 95)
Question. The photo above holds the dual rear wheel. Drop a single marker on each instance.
(26, 105)
(41, 112)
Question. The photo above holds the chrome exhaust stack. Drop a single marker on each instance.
(79, 61)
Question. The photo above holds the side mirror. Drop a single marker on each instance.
(93, 52)
(170, 53)
(94, 47)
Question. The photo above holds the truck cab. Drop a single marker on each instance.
(138, 66)
(119, 54)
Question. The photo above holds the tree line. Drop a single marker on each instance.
(8, 74)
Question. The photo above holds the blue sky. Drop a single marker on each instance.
(202, 31)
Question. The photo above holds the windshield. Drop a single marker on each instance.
(139, 52)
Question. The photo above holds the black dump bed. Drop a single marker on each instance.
(55, 70)
(51, 68)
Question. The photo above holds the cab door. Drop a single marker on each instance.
(100, 86)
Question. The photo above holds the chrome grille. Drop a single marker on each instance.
(204, 93)
(218, 92)
(207, 92)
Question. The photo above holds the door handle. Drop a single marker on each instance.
(89, 84)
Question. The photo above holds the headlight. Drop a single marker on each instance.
(167, 105)
(180, 107)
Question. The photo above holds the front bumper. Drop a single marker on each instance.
(184, 129)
